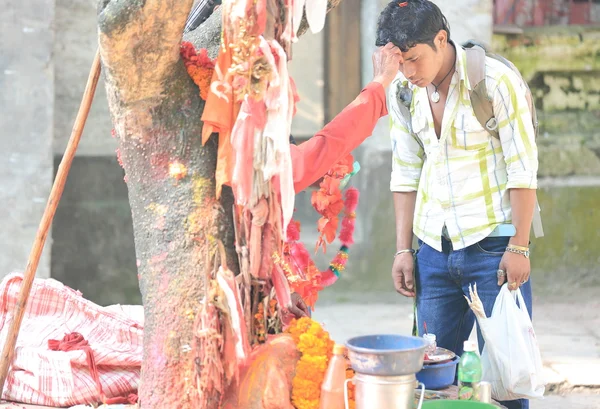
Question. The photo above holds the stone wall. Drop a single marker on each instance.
(562, 66)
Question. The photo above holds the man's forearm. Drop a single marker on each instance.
(404, 207)
(522, 203)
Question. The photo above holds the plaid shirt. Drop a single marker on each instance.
(462, 179)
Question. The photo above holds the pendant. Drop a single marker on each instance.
(435, 96)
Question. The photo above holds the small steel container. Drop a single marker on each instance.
(389, 392)
(485, 392)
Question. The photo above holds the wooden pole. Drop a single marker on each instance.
(46, 222)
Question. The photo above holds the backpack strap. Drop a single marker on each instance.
(536, 223)
(483, 107)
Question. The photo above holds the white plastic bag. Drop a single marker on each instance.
(510, 359)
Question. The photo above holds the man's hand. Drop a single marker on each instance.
(299, 308)
(386, 63)
(516, 267)
(403, 274)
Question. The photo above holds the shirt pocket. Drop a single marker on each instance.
(467, 133)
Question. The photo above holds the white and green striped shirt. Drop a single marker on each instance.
(463, 179)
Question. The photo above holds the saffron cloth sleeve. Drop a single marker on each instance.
(313, 158)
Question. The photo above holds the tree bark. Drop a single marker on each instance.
(156, 110)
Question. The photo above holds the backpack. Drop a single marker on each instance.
(482, 106)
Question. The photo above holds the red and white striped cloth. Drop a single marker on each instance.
(55, 378)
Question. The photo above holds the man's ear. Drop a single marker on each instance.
(441, 39)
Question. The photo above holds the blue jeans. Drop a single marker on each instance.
(442, 278)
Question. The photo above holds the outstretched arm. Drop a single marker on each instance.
(313, 158)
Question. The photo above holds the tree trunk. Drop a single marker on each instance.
(156, 111)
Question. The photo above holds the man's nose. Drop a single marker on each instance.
(410, 72)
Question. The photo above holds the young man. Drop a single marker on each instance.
(459, 189)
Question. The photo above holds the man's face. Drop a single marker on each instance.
(421, 64)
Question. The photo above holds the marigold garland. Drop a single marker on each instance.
(199, 66)
(316, 347)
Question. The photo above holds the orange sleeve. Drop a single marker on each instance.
(313, 158)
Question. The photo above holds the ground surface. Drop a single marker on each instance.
(567, 328)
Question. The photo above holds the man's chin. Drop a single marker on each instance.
(420, 83)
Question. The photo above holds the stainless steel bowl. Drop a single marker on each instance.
(386, 355)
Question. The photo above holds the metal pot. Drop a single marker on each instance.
(386, 355)
(389, 392)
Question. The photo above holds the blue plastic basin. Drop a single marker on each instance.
(438, 376)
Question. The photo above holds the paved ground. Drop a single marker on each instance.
(567, 328)
(568, 335)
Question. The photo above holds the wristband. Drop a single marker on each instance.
(412, 251)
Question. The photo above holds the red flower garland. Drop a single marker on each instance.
(328, 200)
(306, 279)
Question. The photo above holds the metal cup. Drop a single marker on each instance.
(485, 392)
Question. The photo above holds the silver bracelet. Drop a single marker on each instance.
(412, 251)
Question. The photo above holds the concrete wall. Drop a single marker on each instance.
(307, 70)
(93, 248)
(75, 45)
(26, 120)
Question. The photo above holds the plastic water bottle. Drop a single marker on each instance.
(332, 389)
(432, 344)
(469, 373)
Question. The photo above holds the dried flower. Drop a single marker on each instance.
(199, 67)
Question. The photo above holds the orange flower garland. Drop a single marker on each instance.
(316, 348)
(199, 67)
(301, 271)
(328, 200)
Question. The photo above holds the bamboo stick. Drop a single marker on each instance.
(40, 239)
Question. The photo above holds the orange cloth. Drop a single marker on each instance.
(219, 116)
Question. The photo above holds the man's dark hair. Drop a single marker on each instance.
(408, 23)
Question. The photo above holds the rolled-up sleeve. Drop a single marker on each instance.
(517, 134)
(407, 152)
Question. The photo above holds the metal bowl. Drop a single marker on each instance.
(386, 355)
